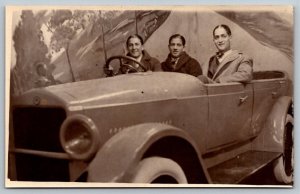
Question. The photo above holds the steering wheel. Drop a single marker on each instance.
(122, 59)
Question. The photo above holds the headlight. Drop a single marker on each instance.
(79, 137)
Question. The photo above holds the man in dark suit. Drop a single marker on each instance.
(178, 60)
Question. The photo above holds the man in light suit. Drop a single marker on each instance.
(227, 65)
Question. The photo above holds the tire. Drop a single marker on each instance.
(158, 170)
(283, 166)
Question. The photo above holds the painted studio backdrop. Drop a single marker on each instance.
(74, 44)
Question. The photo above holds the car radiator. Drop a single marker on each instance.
(38, 128)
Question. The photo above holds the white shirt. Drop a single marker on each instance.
(139, 58)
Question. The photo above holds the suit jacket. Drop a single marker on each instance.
(185, 64)
(236, 67)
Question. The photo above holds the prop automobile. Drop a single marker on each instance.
(153, 127)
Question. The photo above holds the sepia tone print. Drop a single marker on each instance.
(172, 96)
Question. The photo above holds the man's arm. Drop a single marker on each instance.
(155, 66)
(195, 68)
(243, 74)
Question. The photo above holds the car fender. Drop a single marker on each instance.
(271, 138)
(118, 157)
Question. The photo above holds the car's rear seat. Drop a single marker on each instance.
(267, 75)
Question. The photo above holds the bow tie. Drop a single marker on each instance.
(220, 54)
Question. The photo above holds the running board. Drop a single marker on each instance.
(240, 167)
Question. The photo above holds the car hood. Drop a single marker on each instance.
(129, 88)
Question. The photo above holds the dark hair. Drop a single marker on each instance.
(226, 28)
(135, 36)
(177, 36)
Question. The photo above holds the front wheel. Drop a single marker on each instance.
(158, 170)
(283, 166)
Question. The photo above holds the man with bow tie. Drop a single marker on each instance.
(178, 60)
(227, 65)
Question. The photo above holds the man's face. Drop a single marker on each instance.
(135, 47)
(176, 47)
(222, 39)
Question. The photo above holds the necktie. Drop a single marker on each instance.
(174, 62)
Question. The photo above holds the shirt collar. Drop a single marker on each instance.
(222, 56)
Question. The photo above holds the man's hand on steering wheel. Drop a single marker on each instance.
(108, 70)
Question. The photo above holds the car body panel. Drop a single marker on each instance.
(43, 98)
(220, 121)
(265, 95)
(157, 111)
(131, 88)
(231, 123)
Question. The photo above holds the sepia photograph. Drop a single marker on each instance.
(149, 96)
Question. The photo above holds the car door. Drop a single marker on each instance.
(230, 112)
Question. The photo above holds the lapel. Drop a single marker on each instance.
(231, 57)
(168, 63)
(183, 59)
(146, 59)
(180, 62)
